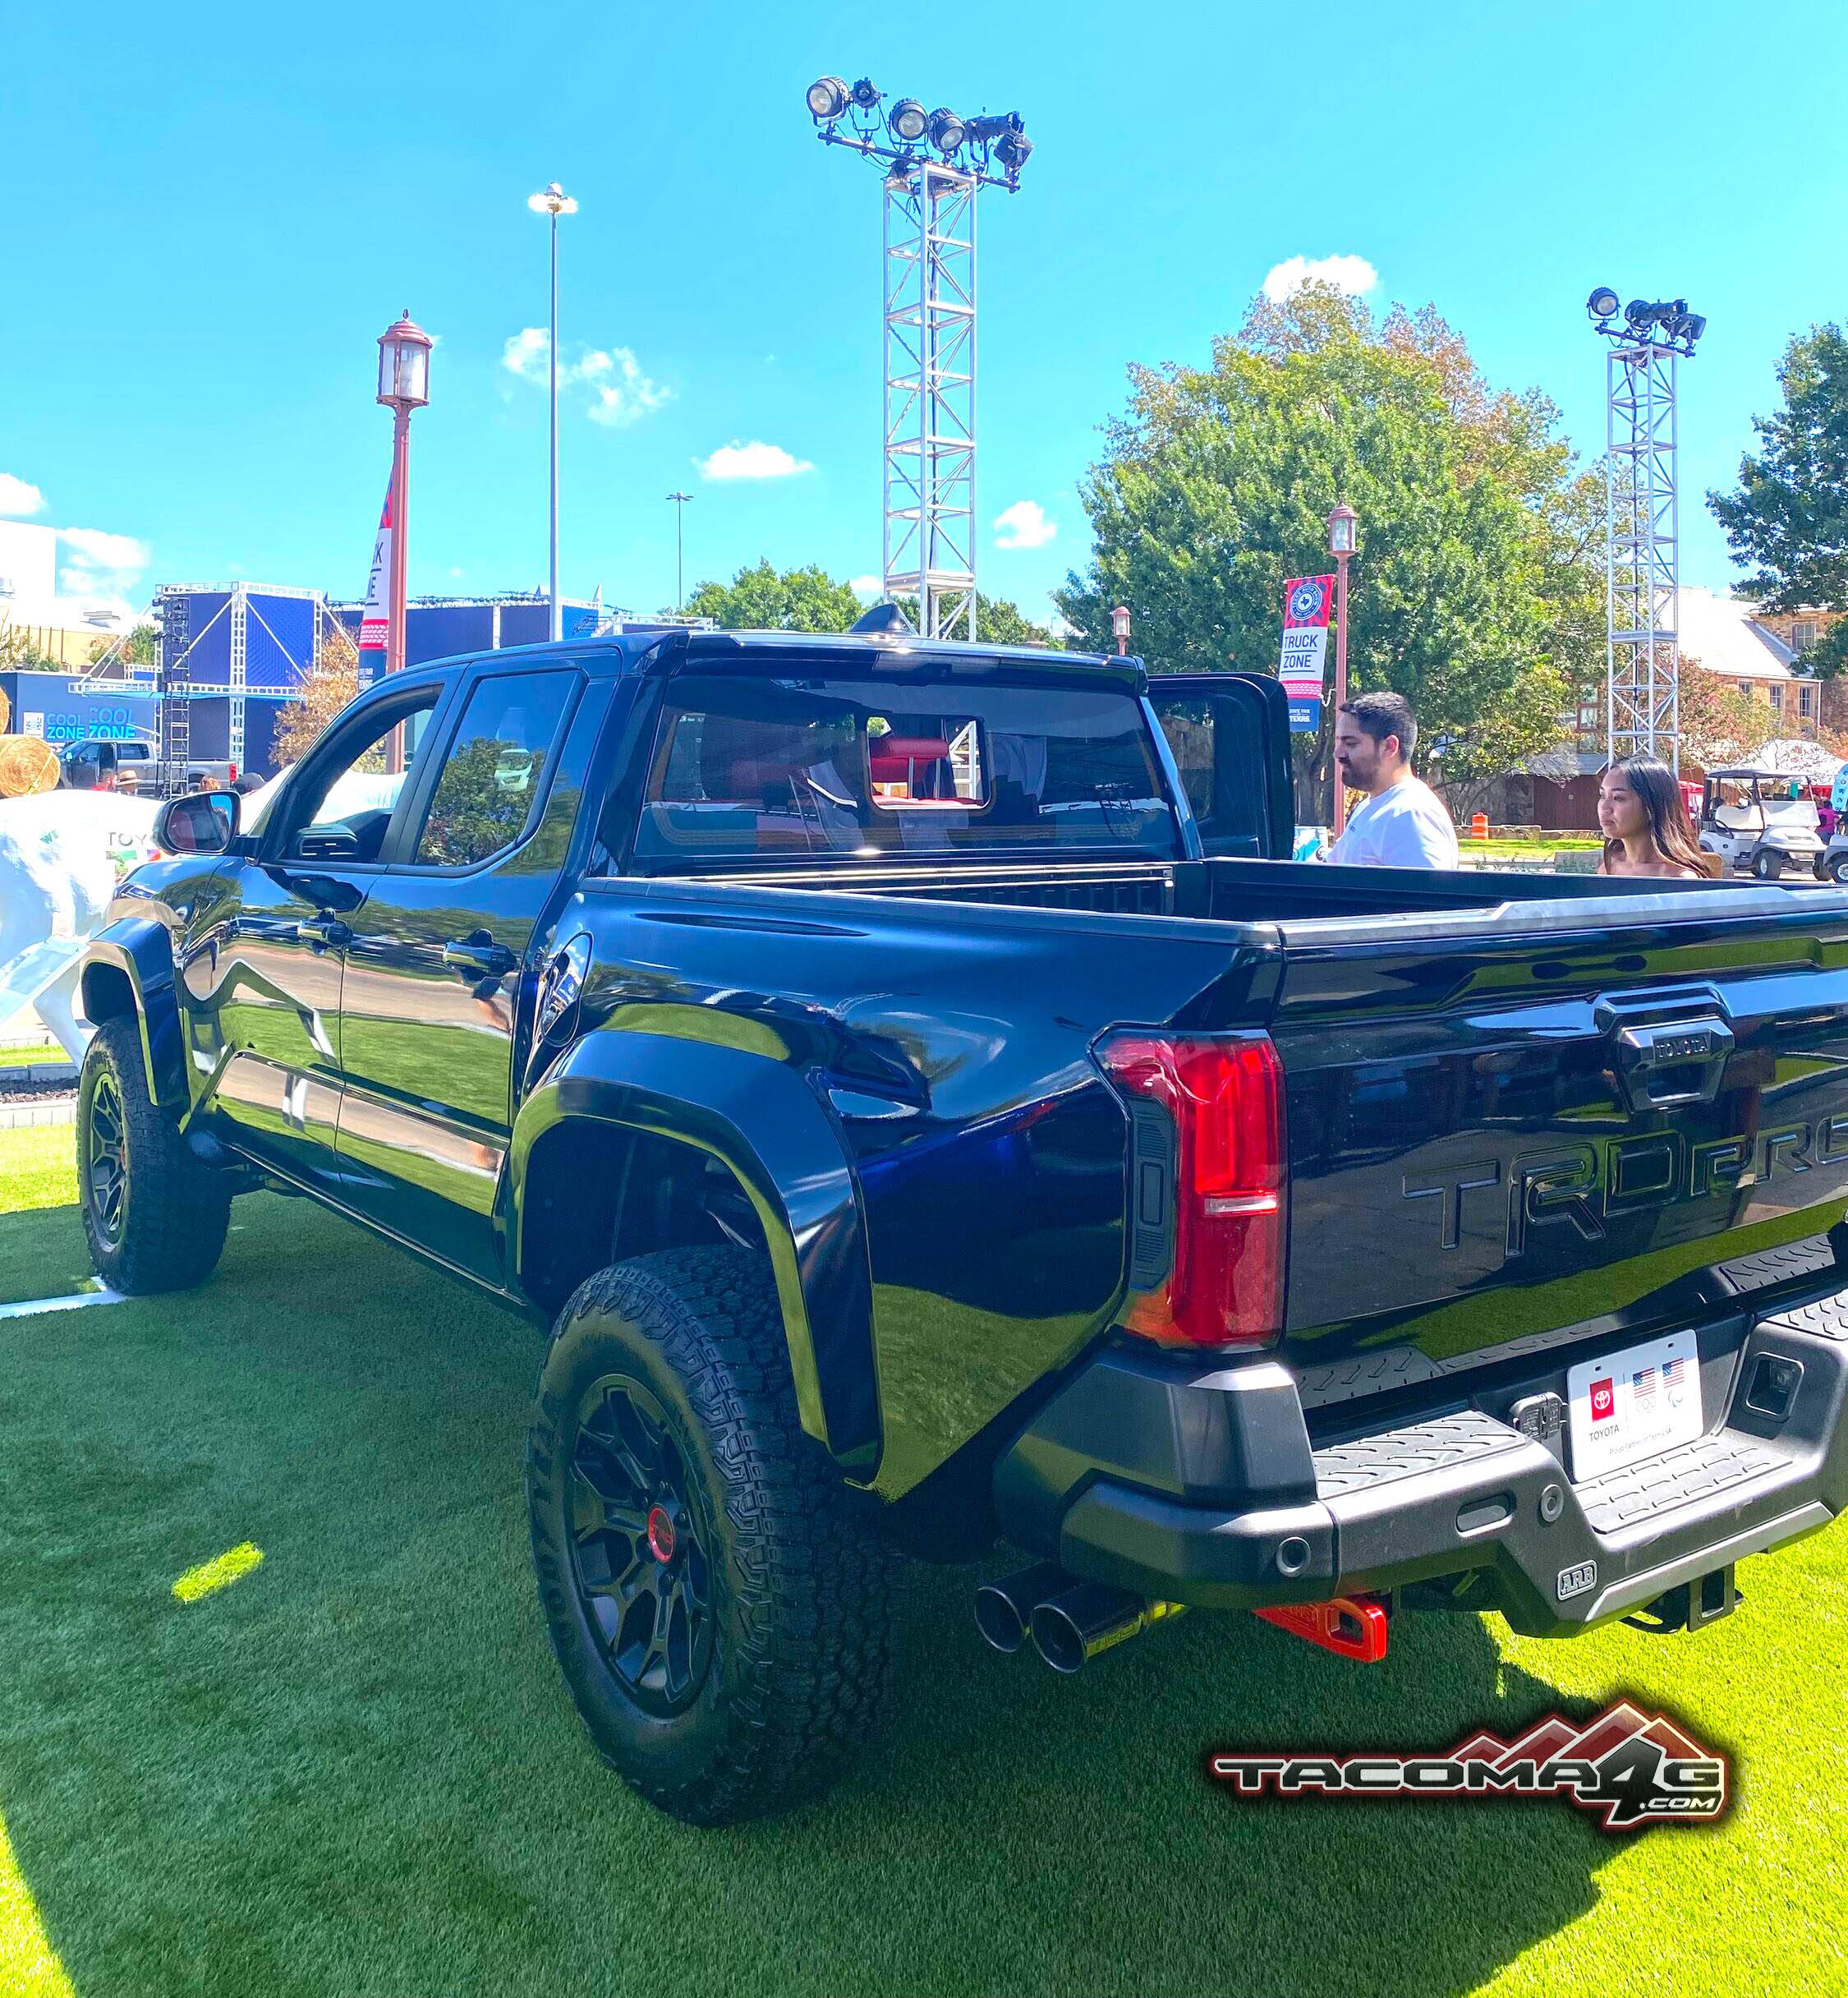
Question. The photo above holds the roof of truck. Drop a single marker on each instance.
(633, 651)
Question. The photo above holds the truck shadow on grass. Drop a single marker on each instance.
(356, 1770)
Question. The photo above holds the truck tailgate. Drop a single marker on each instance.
(1555, 1121)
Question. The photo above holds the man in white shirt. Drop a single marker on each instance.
(1403, 824)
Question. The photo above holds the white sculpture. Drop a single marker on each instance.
(61, 855)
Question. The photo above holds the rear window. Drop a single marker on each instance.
(751, 768)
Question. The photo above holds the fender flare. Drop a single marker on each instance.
(142, 951)
(758, 1115)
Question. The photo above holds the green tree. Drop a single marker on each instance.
(481, 802)
(998, 622)
(1719, 725)
(765, 599)
(1478, 589)
(1788, 521)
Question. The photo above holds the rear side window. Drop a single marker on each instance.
(489, 784)
(752, 768)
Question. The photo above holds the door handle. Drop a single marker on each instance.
(1672, 1064)
(329, 931)
(481, 959)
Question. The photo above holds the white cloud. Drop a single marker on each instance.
(620, 393)
(631, 395)
(91, 548)
(16, 497)
(525, 354)
(101, 570)
(1023, 525)
(751, 461)
(867, 586)
(1353, 274)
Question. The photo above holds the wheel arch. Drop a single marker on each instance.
(128, 969)
(620, 1097)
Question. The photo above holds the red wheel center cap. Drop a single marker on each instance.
(661, 1534)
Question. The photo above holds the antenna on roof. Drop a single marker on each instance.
(884, 620)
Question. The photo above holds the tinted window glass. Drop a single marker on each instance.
(756, 768)
(489, 781)
(339, 803)
(1219, 752)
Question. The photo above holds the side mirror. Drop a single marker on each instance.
(201, 822)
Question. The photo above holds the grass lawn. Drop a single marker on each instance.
(355, 1769)
(24, 1055)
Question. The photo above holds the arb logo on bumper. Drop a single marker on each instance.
(1634, 1769)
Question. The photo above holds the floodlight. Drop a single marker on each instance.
(1640, 314)
(908, 120)
(945, 129)
(1011, 147)
(1602, 303)
(827, 98)
(1694, 324)
(864, 94)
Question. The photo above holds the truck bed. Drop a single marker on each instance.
(1470, 1165)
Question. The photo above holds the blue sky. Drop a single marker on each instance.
(209, 214)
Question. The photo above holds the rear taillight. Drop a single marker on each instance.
(1225, 1187)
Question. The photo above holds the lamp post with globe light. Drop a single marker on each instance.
(1342, 526)
(555, 202)
(404, 385)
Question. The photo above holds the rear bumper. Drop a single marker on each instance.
(1203, 1487)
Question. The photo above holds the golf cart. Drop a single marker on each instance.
(1835, 855)
(1757, 820)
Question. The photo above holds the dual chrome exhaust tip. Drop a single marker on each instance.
(1068, 1620)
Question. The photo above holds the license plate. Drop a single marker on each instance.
(1633, 1403)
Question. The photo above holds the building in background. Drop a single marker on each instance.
(34, 616)
(1748, 652)
(445, 627)
(230, 657)
(1729, 637)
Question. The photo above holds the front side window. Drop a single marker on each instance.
(488, 783)
(746, 767)
(338, 804)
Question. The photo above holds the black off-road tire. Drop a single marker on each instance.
(153, 1214)
(790, 1678)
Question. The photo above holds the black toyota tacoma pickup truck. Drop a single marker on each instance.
(931, 1113)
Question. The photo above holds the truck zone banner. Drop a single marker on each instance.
(1303, 663)
(1635, 1770)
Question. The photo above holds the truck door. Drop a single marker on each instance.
(1230, 735)
(265, 993)
(438, 992)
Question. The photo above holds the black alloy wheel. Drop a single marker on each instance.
(639, 1546)
(106, 1159)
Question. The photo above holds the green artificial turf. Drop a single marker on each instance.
(354, 1770)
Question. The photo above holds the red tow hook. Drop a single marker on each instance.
(1350, 1626)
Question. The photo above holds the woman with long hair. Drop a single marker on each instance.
(1644, 820)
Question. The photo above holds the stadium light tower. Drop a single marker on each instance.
(1643, 690)
(933, 164)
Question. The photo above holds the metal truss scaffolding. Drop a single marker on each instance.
(1642, 558)
(172, 677)
(929, 393)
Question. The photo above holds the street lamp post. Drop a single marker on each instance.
(679, 501)
(1120, 624)
(404, 385)
(1342, 523)
(555, 202)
